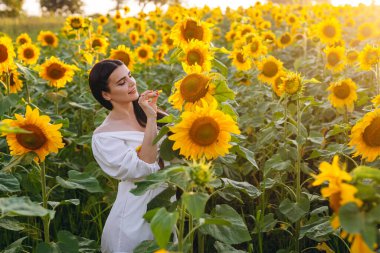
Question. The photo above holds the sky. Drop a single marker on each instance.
(32, 7)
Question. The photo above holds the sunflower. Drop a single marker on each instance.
(75, 22)
(365, 136)
(255, 47)
(369, 57)
(28, 53)
(366, 31)
(15, 84)
(352, 56)
(6, 54)
(144, 53)
(329, 31)
(190, 28)
(23, 39)
(161, 52)
(126, 9)
(102, 20)
(343, 94)
(125, 55)
(47, 38)
(376, 101)
(117, 15)
(277, 84)
(284, 40)
(167, 41)
(150, 36)
(335, 58)
(193, 90)
(269, 68)
(98, 44)
(291, 83)
(56, 72)
(268, 37)
(245, 29)
(120, 27)
(230, 35)
(43, 139)
(196, 56)
(134, 37)
(206, 132)
(240, 60)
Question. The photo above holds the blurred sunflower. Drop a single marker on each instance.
(28, 53)
(268, 37)
(277, 84)
(166, 40)
(6, 54)
(365, 136)
(206, 132)
(102, 20)
(125, 55)
(366, 31)
(343, 94)
(269, 68)
(240, 60)
(98, 44)
(134, 37)
(376, 101)
(75, 22)
(56, 72)
(196, 56)
(291, 83)
(192, 91)
(161, 52)
(255, 47)
(126, 9)
(23, 39)
(47, 38)
(144, 53)
(284, 40)
(44, 138)
(190, 28)
(120, 27)
(352, 56)
(368, 57)
(335, 58)
(329, 31)
(15, 84)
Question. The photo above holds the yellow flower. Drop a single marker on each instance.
(365, 136)
(23, 39)
(196, 56)
(369, 57)
(28, 53)
(335, 58)
(343, 94)
(291, 83)
(134, 37)
(15, 84)
(376, 101)
(269, 68)
(144, 53)
(206, 132)
(284, 40)
(366, 31)
(43, 139)
(102, 20)
(47, 38)
(329, 31)
(75, 22)
(125, 55)
(277, 84)
(255, 47)
(98, 44)
(352, 56)
(193, 90)
(126, 9)
(240, 60)
(167, 41)
(359, 245)
(6, 54)
(161, 52)
(201, 172)
(56, 72)
(191, 28)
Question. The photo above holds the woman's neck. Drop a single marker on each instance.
(122, 112)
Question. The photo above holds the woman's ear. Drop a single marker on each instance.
(106, 95)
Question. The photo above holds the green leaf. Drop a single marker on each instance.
(266, 225)
(4, 128)
(350, 218)
(228, 109)
(78, 180)
(225, 248)
(8, 183)
(235, 233)
(246, 154)
(67, 242)
(8, 102)
(84, 106)
(295, 210)
(222, 91)
(374, 215)
(148, 246)
(164, 130)
(44, 247)
(365, 172)
(167, 119)
(24, 159)
(195, 202)
(276, 163)
(220, 66)
(15, 247)
(166, 150)
(11, 224)
(22, 206)
(245, 187)
(318, 231)
(55, 204)
(162, 226)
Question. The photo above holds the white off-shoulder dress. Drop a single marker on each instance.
(116, 154)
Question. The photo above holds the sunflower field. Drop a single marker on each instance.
(272, 138)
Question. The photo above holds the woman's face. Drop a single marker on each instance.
(122, 86)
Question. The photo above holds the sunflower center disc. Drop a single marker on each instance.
(96, 43)
(22, 41)
(29, 53)
(270, 69)
(367, 32)
(123, 57)
(12, 80)
(240, 57)
(49, 39)
(342, 91)
(285, 39)
(254, 46)
(33, 140)
(3, 53)
(329, 31)
(333, 59)
(55, 71)
(76, 24)
(204, 131)
(352, 55)
(194, 56)
(194, 87)
(372, 57)
(192, 31)
(143, 53)
(371, 133)
(335, 200)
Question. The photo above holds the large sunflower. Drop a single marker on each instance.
(15, 84)
(205, 132)
(190, 28)
(329, 31)
(144, 53)
(98, 44)
(343, 94)
(28, 53)
(47, 38)
(291, 83)
(43, 139)
(365, 136)
(75, 22)
(125, 55)
(23, 39)
(369, 57)
(269, 68)
(240, 60)
(335, 58)
(192, 91)
(196, 56)
(56, 72)
(6, 54)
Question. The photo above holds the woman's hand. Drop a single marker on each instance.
(148, 102)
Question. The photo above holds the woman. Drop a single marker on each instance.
(122, 146)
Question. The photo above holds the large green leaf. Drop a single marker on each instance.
(162, 226)
(222, 91)
(295, 210)
(225, 248)
(235, 233)
(245, 187)
(67, 242)
(8, 183)
(365, 172)
(22, 206)
(195, 202)
(24, 159)
(15, 247)
(79, 180)
(8, 102)
(318, 230)
(350, 217)
(246, 154)
(11, 224)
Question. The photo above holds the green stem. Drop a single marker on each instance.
(298, 175)
(56, 100)
(181, 227)
(45, 219)
(27, 92)
(201, 242)
(191, 233)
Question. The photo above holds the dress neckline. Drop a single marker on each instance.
(120, 131)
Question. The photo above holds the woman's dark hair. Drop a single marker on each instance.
(98, 81)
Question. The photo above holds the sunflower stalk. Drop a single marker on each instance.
(181, 227)
(27, 92)
(46, 218)
(298, 175)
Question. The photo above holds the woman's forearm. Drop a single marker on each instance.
(148, 152)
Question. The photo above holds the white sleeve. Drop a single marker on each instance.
(119, 160)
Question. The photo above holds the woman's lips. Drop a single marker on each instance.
(132, 92)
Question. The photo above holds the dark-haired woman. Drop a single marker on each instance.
(122, 146)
